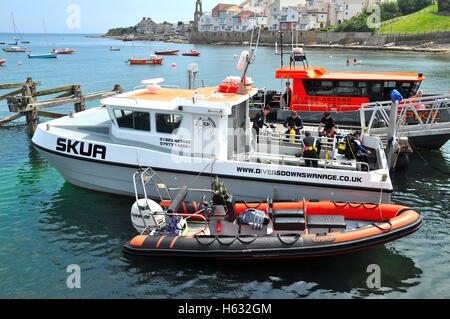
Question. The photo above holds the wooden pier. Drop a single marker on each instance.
(23, 101)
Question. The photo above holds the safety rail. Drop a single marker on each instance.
(327, 164)
(433, 105)
(319, 108)
(280, 140)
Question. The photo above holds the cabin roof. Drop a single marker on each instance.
(170, 99)
(300, 72)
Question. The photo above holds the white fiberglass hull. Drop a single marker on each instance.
(82, 149)
(117, 180)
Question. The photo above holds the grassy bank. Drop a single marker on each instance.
(424, 21)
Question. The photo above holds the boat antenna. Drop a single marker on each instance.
(249, 60)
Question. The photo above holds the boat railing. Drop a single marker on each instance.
(320, 107)
(428, 106)
(143, 178)
(273, 159)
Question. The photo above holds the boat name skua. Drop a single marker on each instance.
(81, 148)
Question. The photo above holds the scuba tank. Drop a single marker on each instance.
(292, 135)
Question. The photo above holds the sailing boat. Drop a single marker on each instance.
(43, 55)
(12, 47)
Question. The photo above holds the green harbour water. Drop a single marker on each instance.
(47, 224)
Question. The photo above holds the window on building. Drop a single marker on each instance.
(168, 123)
(139, 121)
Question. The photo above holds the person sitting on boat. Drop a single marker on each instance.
(260, 121)
(355, 149)
(327, 126)
(287, 97)
(293, 123)
(310, 150)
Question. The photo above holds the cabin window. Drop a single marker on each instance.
(142, 121)
(168, 123)
(139, 121)
(124, 118)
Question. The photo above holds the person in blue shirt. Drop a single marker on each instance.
(355, 149)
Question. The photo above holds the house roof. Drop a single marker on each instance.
(246, 14)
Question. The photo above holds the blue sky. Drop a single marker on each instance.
(96, 16)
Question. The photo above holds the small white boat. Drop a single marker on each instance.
(14, 49)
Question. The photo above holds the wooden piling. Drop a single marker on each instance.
(23, 101)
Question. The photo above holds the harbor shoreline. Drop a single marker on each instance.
(417, 47)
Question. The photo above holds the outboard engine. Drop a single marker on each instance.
(147, 214)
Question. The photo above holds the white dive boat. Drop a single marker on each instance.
(189, 136)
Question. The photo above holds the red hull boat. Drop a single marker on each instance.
(192, 53)
(66, 51)
(145, 61)
(2, 62)
(167, 52)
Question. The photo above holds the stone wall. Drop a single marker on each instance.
(304, 37)
(316, 37)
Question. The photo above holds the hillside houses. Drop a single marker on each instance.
(276, 15)
(148, 27)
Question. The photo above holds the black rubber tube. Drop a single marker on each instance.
(178, 201)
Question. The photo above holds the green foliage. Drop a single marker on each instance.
(424, 21)
(356, 24)
(117, 32)
(390, 10)
(410, 6)
(444, 6)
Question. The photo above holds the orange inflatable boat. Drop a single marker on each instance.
(223, 229)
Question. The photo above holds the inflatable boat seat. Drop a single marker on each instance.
(326, 224)
(289, 220)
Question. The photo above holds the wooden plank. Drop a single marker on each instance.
(54, 91)
(15, 85)
(67, 94)
(11, 118)
(4, 97)
(51, 115)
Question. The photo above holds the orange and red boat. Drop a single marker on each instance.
(167, 52)
(65, 51)
(318, 90)
(193, 53)
(222, 229)
(151, 61)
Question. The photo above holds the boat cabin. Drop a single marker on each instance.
(186, 122)
(319, 90)
(204, 123)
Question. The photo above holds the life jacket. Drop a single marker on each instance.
(308, 146)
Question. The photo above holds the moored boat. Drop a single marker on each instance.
(43, 56)
(114, 49)
(2, 62)
(65, 51)
(14, 49)
(154, 60)
(216, 227)
(167, 52)
(193, 53)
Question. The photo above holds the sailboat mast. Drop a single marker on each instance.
(45, 31)
(14, 26)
